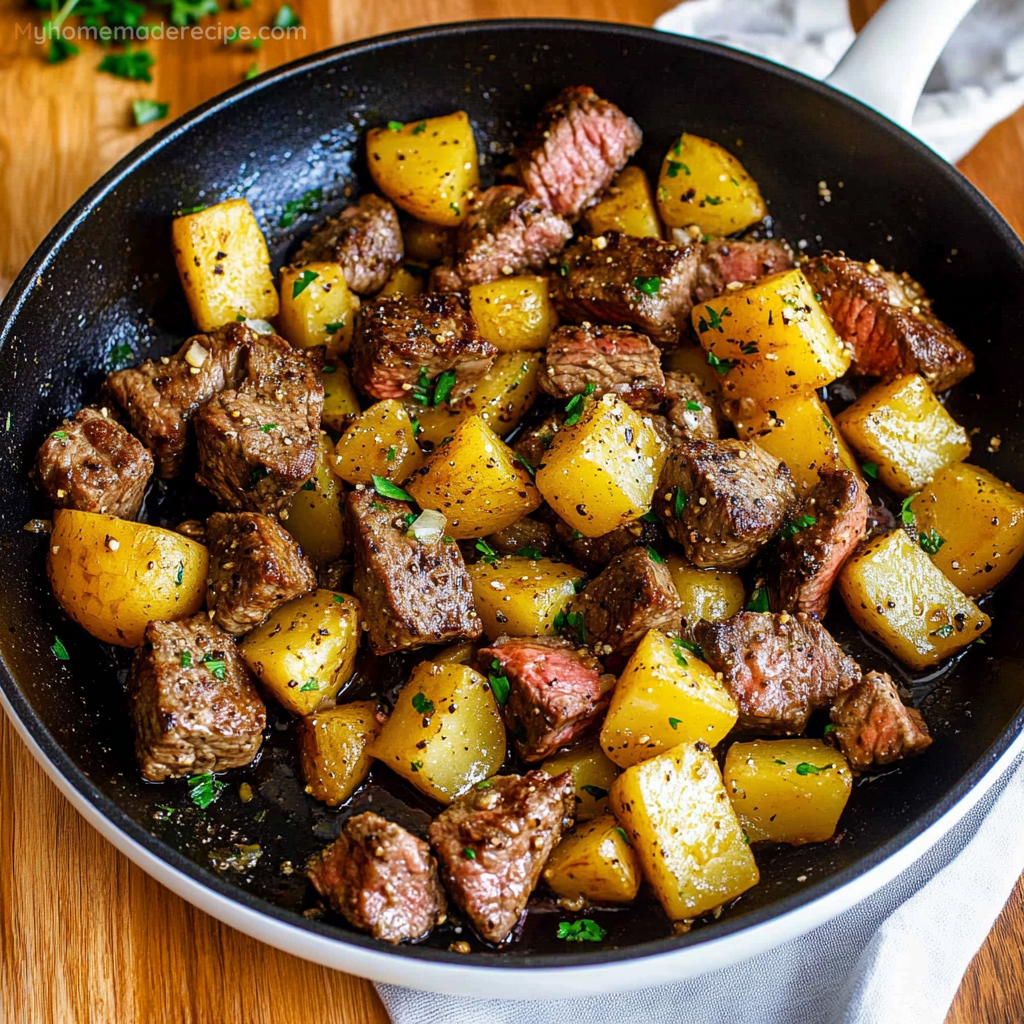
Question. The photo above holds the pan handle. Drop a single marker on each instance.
(890, 60)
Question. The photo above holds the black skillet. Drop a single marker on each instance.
(102, 288)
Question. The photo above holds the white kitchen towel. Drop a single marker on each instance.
(895, 958)
(978, 81)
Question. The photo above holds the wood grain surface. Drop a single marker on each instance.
(86, 937)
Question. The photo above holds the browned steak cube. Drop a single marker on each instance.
(403, 342)
(633, 594)
(725, 261)
(381, 879)
(412, 592)
(578, 146)
(255, 566)
(874, 727)
(193, 703)
(493, 843)
(364, 238)
(527, 537)
(619, 279)
(723, 500)
(605, 360)
(533, 443)
(505, 231)
(814, 546)
(92, 464)
(161, 396)
(594, 553)
(685, 414)
(887, 321)
(778, 668)
(258, 444)
(556, 693)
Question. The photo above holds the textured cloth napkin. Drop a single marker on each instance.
(895, 958)
(978, 81)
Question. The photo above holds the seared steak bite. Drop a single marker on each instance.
(511, 824)
(556, 692)
(161, 396)
(257, 444)
(255, 566)
(887, 321)
(685, 414)
(193, 703)
(726, 261)
(723, 500)
(412, 592)
(381, 879)
(533, 443)
(778, 668)
(365, 238)
(606, 360)
(578, 146)
(525, 536)
(619, 279)
(506, 231)
(402, 342)
(874, 727)
(806, 562)
(633, 594)
(92, 464)
(594, 553)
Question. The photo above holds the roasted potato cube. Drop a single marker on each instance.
(522, 596)
(341, 402)
(114, 576)
(692, 359)
(701, 183)
(787, 791)
(407, 279)
(665, 696)
(378, 442)
(332, 749)
(677, 815)
(896, 594)
(593, 772)
(972, 525)
(315, 517)
(445, 733)
(710, 594)
(595, 862)
(772, 338)
(476, 481)
(224, 265)
(426, 167)
(905, 429)
(628, 206)
(306, 651)
(600, 472)
(456, 654)
(317, 308)
(513, 313)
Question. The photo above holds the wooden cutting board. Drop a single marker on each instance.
(86, 937)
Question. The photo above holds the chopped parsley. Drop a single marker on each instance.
(692, 406)
(147, 111)
(792, 528)
(943, 631)
(132, 64)
(180, 575)
(386, 489)
(830, 728)
(302, 282)
(750, 349)
(60, 652)
(286, 18)
(443, 387)
(595, 791)
(120, 354)
(574, 407)
(803, 768)
(392, 454)
(674, 167)
(563, 269)
(583, 930)
(650, 516)
(777, 761)
(217, 667)
(499, 683)
(254, 69)
(338, 599)
(486, 784)
(268, 427)
(309, 684)
(455, 208)
(906, 512)
(420, 128)
(931, 541)
(720, 366)
(490, 556)
(433, 393)
(759, 601)
(186, 659)
(714, 320)
(574, 621)
(416, 765)
(204, 789)
(677, 653)
(675, 722)
(309, 202)
(422, 705)
(61, 435)
(309, 485)
(526, 465)
(678, 501)
(654, 556)
(690, 645)
(713, 200)
(622, 832)
(469, 853)
(870, 469)
(529, 552)
(647, 285)
(333, 329)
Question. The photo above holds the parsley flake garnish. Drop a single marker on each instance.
(906, 512)
(469, 853)
(132, 64)
(759, 601)
(830, 728)
(268, 427)
(386, 489)
(720, 366)
(295, 208)
(61, 435)
(529, 552)
(204, 789)
(180, 575)
(583, 930)
(677, 652)
(647, 285)
(60, 652)
(675, 166)
(302, 282)
(490, 556)
(443, 387)
(675, 722)
(622, 832)
(654, 556)
(338, 599)
(333, 329)
(803, 768)
(217, 667)
(792, 528)
(422, 705)
(420, 128)
(574, 407)
(526, 465)
(286, 18)
(500, 686)
(870, 469)
(678, 502)
(147, 111)
(713, 200)
(120, 354)
(416, 765)
(309, 684)
(931, 541)
(944, 631)
(186, 659)
(434, 394)
(595, 791)
(713, 322)
(692, 406)
(571, 620)
(392, 454)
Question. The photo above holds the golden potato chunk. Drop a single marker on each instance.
(475, 480)
(601, 469)
(332, 750)
(378, 442)
(593, 772)
(896, 594)
(972, 525)
(787, 791)
(445, 733)
(315, 518)
(522, 596)
(317, 307)
(306, 651)
(902, 427)
(341, 402)
(594, 862)
(426, 167)
(701, 183)
(665, 696)
(407, 279)
(514, 313)
(114, 576)
(709, 594)
(693, 360)
(677, 815)
(770, 339)
(224, 265)
(627, 206)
